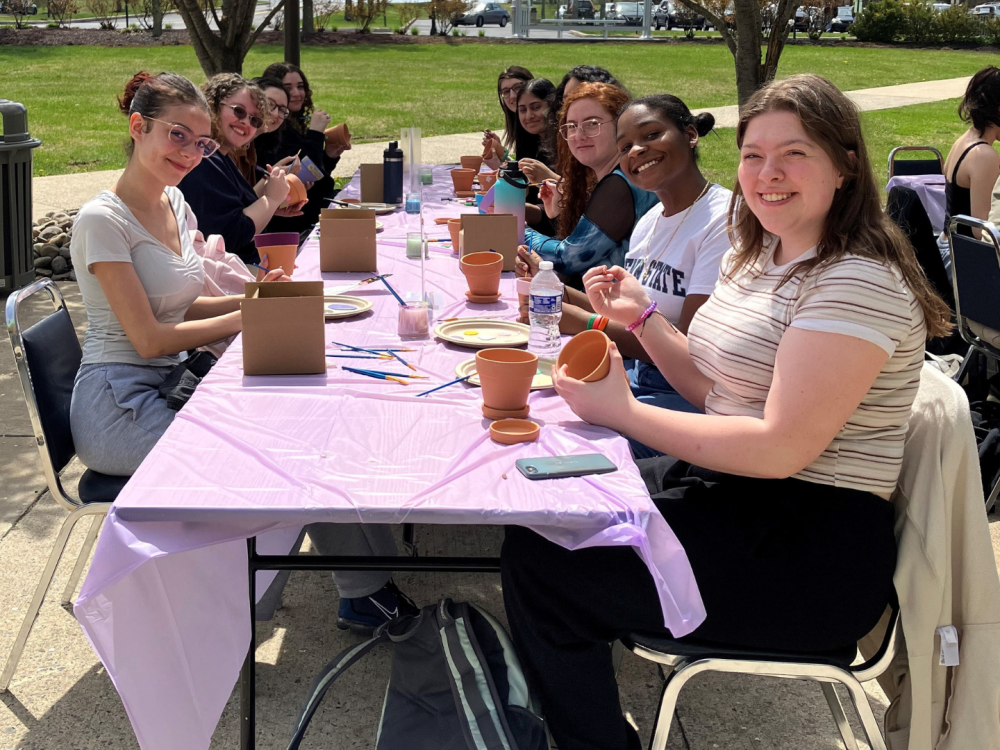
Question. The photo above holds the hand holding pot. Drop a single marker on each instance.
(276, 187)
(607, 402)
(616, 294)
(319, 121)
(535, 171)
(291, 165)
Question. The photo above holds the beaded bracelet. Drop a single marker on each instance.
(642, 318)
(590, 323)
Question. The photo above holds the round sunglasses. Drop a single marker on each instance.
(181, 136)
(242, 114)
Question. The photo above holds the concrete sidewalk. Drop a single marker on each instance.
(73, 190)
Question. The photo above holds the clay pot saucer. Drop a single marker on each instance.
(587, 356)
(465, 193)
(482, 299)
(442, 220)
(505, 413)
(513, 431)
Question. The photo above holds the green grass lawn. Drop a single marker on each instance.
(70, 91)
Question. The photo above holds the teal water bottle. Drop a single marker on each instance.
(509, 195)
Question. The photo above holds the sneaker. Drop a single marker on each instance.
(365, 613)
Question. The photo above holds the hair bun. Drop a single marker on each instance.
(125, 100)
(703, 123)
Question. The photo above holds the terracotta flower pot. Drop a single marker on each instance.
(587, 356)
(296, 191)
(487, 180)
(462, 179)
(513, 431)
(482, 272)
(454, 227)
(269, 239)
(338, 135)
(282, 256)
(505, 376)
(471, 162)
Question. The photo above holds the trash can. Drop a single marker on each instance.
(16, 145)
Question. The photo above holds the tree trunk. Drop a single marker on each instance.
(434, 29)
(308, 27)
(157, 12)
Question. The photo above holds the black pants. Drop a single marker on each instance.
(782, 564)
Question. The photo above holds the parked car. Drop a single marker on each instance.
(669, 15)
(940, 7)
(27, 10)
(484, 13)
(630, 13)
(987, 10)
(843, 20)
(579, 9)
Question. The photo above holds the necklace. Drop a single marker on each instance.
(645, 258)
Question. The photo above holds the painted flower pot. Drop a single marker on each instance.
(270, 239)
(482, 272)
(296, 191)
(587, 356)
(471, 162)
(505, 376)
(275, 256)
(487, 180)
(454, 227)
(338, 135)
(513, 431)
(462, 179)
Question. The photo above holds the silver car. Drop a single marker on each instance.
(484, 13)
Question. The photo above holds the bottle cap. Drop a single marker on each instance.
(545, 265)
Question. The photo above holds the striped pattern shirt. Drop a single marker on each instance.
(734, 337)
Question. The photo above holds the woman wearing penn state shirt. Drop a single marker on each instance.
(807, 358)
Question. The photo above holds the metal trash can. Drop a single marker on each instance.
(16, 267)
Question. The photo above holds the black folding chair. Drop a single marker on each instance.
(48, 356)
(913, 167)
(975, 275)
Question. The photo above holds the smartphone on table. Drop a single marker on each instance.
(557, 467)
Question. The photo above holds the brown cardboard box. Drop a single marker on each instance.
(283, 328)
(484, 232)
(371, 183)
(347, 241)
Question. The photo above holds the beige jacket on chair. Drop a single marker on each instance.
(946, 574)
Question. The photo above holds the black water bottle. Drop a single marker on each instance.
(392, 174)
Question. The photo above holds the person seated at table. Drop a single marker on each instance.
(596, 206)
(572, 80)
(302, 134)
(277, 101)
(509, 84)
(676, 247)
(806, 359)
(536, 143)
(217, 192)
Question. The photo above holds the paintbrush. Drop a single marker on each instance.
(359, 356)
(358, 348)
(393, 292)
(445, 385)
(395, 374)
(378, 375)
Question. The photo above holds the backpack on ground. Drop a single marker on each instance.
(456, 684)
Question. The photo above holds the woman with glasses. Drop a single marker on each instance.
(509, 85)
(217, 192)
(277, 102)
(596, 206)
(141, 279)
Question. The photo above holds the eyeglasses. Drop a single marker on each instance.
(508, 91)
(242, 114)
(279, 109)
(589, 128)
(183, 138)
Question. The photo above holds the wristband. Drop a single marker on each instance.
(642, 318)
(590, 323)
(601, 323)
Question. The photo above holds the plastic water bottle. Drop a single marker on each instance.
(545, 312)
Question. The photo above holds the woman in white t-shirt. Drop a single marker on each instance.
(806, 359)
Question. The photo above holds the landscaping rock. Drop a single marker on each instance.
(43, 262)
(59, 265)
(60, 277)
(71, 276)
(49, 232)
(49, 250)
(43, 272)
(37, 248)
(65, 253)
(60, 239)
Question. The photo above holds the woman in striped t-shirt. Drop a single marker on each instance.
(806, 359)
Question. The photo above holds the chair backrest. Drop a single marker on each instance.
(975, 274)
(904, 207)
(48, 357)
(910, 167)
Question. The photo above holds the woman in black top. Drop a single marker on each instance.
(302, 133)
(217, 192)
(509, 85)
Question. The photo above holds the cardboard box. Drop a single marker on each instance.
(283, 328)
(484, 232)
(347, 241)
(371, 183)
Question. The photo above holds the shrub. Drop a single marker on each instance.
(334, 27)
(920, 23)
(454, 32)
(881, 21)
(482, 32)
(104, 10)
(168, 26)
(956, 25)
(61, 9)
(415, 31)
(52, 25)
(991, 30)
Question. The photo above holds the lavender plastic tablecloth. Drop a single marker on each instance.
(165, 602)
(930, 190)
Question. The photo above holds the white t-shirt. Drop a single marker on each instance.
(106, 230)
(691, 264)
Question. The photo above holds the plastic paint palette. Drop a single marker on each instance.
(483, 333)
(468, 367)
(343, 306)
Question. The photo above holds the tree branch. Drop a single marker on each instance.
(718, 22)
(263, 25)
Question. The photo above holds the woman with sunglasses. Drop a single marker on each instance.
(277, 102)
(217, 192)
(596, 206)
(141, 279)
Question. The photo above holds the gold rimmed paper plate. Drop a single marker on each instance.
(468, 367)
(344, 306)
(483, 333)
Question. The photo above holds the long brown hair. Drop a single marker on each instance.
(578, 181)
(855, 223)
(220, 87)
(299, 120)
(510, 119)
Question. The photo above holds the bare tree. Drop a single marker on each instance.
(60, 10)
(223, 48)
(408, 13)
(104, 11)
(324, 11)
(752, 24)
(444, 13)
(366, 11)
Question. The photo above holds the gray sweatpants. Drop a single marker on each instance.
(116, 417)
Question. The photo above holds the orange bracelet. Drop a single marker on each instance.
(601, 323)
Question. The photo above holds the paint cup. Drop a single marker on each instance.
(413, 321)
(414, 245)
(426, 176)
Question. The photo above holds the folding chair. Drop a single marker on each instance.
(912, 167)
(48, 356)
(975, 275)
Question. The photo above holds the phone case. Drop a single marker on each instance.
(556, 467)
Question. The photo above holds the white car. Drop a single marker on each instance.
(987, 10)
(939, 7)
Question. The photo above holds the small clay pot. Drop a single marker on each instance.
(505, 376)
(513, 431)
(296, 191)
(587, 356)
(441, 220)
(487, 180)
(454, 227)
(482, 272)
(338, 135)
(282, 256)
(270, 239)
(471, 162)
(462, 179)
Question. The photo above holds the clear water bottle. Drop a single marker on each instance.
(545, 312)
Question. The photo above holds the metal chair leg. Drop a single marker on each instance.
(860, 700)
(617, 652)
(668, 705)
(837, 709)
(81, 560)
(43, 587)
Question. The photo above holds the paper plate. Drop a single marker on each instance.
(378, 208)
(344, 306)
(468, 367)
(483, 333)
